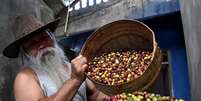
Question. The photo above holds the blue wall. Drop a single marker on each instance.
(180, 78)
(170, 37)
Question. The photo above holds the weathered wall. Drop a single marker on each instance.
(9, 9)
(118, 9)
(191, 18)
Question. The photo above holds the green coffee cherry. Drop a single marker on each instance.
(143, 96)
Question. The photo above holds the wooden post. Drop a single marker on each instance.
(80, 4)
(87, 3)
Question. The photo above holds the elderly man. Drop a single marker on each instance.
(46, 74)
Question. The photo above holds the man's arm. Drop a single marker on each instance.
(27, 88)
(94, 94)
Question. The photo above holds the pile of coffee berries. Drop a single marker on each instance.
(119, 67)
(142, 96)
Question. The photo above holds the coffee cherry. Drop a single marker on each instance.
(119, 67)
(143, 96)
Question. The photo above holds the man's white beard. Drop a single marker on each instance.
(51, 60)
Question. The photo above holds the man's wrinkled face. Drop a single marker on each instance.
(43, 52)
(38, 42)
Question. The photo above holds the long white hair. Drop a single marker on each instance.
(50, 60)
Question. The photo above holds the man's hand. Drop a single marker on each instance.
(79, 65)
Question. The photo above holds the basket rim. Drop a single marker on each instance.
(155, 76)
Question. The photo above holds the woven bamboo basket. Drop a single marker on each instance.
(124, 35)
